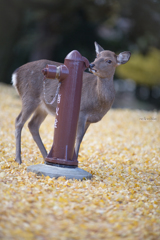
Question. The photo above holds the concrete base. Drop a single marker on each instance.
(55, 172)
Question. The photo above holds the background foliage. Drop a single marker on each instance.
(37, 29)
(143, 69)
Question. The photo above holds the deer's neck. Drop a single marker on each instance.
(105, 89)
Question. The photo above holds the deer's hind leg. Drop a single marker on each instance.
(34, 125)
(19, 123)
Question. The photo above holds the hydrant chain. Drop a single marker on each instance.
(44, 91)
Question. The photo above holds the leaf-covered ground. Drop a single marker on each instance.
(122, 201)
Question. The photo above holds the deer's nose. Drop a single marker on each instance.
(91, 65)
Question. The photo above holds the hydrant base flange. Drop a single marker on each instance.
(60, 165)
(55, 172)
(62, 161)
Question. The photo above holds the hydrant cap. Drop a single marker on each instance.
(74, 55)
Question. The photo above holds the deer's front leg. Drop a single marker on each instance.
(81, 130)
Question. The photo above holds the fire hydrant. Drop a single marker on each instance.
(68, 106)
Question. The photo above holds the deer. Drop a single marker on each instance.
(97, 97)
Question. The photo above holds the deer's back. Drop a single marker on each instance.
(28, 80)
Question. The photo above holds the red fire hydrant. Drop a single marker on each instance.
(68, 105)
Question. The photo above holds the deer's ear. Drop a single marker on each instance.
(123, 57)
(98, 48)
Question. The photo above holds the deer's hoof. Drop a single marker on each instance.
(19, 161)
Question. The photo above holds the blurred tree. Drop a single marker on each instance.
(145, 31)
(35, 29)
(143, 69)
(135, 25)
(10, 25)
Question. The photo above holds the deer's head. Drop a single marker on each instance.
(106, 62)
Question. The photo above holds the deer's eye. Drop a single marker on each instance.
(109, 61)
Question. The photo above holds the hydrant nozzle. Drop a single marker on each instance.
(52, 72)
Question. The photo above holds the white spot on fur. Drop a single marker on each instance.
(14, 81)
(93, 71)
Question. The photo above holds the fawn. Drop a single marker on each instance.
(98, 94)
